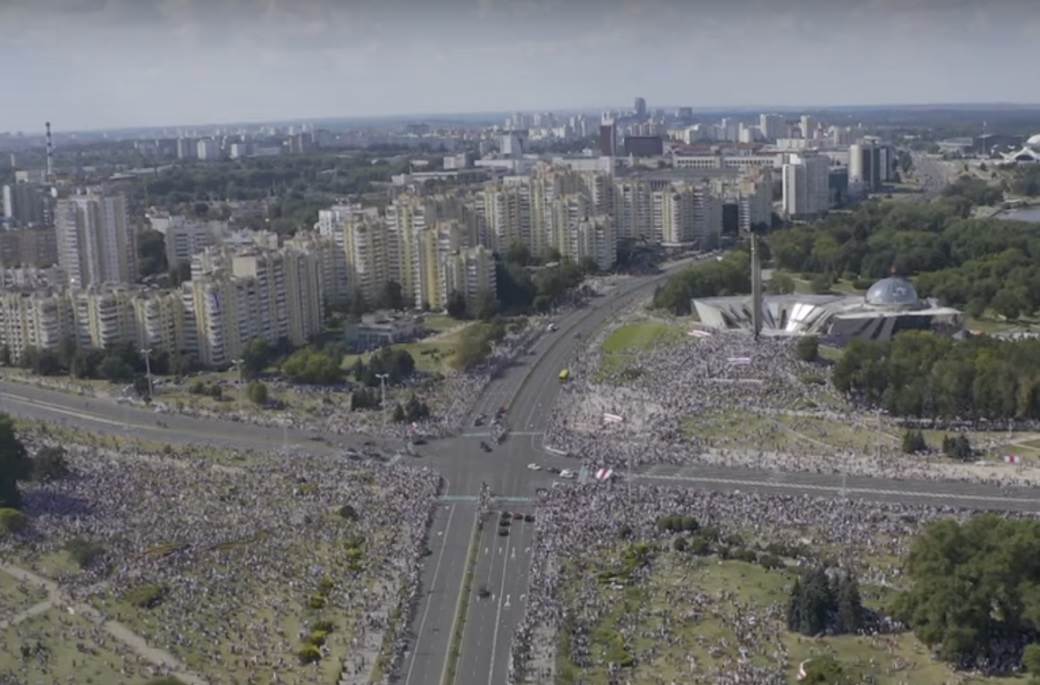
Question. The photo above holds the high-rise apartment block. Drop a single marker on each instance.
(96, 242)
(806, 185)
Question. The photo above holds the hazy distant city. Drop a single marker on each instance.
(678, 389)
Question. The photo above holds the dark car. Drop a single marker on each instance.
(483, 592)
(484, 446)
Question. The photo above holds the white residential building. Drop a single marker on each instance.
(96, 242)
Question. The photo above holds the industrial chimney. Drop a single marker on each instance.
(756, 288)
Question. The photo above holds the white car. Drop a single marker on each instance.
(567, 473)
(552, 327)
(534, 467)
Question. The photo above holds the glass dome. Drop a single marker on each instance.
(893, 292)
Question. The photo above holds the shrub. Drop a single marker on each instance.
(808, 348)
(50, 464)
(84, 552)
(323, 625)
(348, 512)
(146, 596)
(12, 521)
(679, 544)
(257, 393)
(913, 442)
(316, 602)
(309, 654)
(317, 637)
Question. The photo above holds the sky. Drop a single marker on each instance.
(94, 64)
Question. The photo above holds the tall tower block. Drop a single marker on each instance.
(756, 288)
(50, 155)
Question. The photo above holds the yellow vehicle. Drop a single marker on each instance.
(565, 375)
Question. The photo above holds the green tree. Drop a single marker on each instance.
(255, 357)
(14, 464)
(12, 521)
(50, 463)
(313, 367)
(1031, 662)
(257, 393)
(456, 306)
(913, 442)
(484, 306)
(973, 586)
(808, 348)
(151, 252)
(780, 284)
(392, 296)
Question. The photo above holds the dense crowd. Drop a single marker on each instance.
(587, 522)
(240, 551)
(730, 375)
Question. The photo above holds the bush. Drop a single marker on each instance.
(679, 544)
(317, 637)
(308, 654)
(323, 625)
(348, 512)
(257, 393)
(316, 602)
(313, 367)
(84, 552)
(146, 596)
(12, 521)
(824, 670)
(808, 348)
(913, 442)
(49, 464)
(957, 447)
(168, 680)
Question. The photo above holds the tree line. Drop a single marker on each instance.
(730, 275)
(973, 264)
(922, 374)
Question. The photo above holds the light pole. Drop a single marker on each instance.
(237, 363)
(147, 352)
(382, 394)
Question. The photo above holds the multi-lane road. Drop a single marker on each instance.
(528, 390)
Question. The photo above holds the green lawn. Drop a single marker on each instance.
(624, 343)
(431, 355)
(700, 597)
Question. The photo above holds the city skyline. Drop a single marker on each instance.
(112, 64)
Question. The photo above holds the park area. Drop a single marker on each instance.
(227, 567)
(662, 586)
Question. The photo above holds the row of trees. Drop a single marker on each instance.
(520, 292)
(728, 276)
(926, 375)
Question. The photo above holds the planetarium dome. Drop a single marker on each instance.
(893, 292)
(1034, 142)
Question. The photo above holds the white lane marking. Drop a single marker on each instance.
(498, 616)
(429, 596)
(47, 406)
(833, 488)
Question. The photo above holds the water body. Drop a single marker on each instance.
(1022, 214)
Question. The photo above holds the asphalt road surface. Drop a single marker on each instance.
(528, 390)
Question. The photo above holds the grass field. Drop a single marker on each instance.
(432, 355)
(72, 651)
(624, 343)
(702, 600)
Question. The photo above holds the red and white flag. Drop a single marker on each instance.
(604, 474)
(1013, 459)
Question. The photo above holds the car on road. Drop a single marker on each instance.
(533, 467)
(567, 473)
(565, 375)
(479, 421)
(483, 592)
(551, 328)
(484, 446)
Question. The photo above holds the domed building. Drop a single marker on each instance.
(889, 306)
(1029, 154)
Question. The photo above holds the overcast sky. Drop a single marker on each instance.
(112, 63)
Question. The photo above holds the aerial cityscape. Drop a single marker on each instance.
(472, 341)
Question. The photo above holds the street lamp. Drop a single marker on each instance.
(147, 351)
(382, 394)
(237, 363)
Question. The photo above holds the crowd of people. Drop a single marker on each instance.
(582, 523)
(780, 407)
(242, 557)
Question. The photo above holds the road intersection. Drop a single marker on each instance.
(527, 389)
